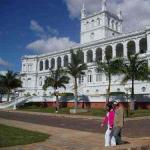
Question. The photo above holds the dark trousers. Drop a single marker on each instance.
(117, 134)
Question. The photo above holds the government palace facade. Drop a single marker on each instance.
(100, 33)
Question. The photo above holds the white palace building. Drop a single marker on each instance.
(100, 33)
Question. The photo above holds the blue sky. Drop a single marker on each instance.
(15, 26)
(39, 26)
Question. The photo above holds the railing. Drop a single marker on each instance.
(15, 102)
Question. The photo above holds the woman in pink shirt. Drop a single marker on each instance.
(109, 121)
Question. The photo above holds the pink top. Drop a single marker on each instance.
(109, 119)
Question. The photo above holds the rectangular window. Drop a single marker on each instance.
(98, 77)
(89, 78)
(107, 78)
(81, 79)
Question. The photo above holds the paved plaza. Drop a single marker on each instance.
(74, 133)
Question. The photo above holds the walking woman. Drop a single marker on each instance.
(109, 121)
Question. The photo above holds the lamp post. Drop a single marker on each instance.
(127, 89)
(16, 99)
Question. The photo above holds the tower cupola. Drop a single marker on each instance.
(83, 11)
(104, 5)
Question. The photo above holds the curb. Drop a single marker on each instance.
(140, 147)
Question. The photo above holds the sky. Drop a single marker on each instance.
(32, 27)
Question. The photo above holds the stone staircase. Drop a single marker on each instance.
(15, 102)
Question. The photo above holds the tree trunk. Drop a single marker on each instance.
(75, 92)
(8, 95)
(132, 105)
(57, 103)
(108, 90)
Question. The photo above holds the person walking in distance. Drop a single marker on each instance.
(109, 120)
(118, 121)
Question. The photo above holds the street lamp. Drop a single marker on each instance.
(16, 99)
(127, 89)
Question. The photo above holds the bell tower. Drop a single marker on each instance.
(100, 25)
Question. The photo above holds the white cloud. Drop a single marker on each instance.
(4, 63)
(74, 6)
(42, 32)
(51, 44)
(136, 12)
(34, 25)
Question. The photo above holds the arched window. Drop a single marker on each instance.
(98, 54)
(108, 52)
(89, 56)
(112, 24)
(92, 35)
(87, 24)
(98, 21)
(65, 60)
(108, 22)
(52, 63)
(143, 45)
(41, 65)
(92, 23)
(131, 47)
(40, 81)
(46, 64)
(59, 62)
(29, 82)
(81, 54)
(116, 26)
(119, 50)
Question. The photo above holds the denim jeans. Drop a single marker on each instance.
(117, 134)
(109, 138)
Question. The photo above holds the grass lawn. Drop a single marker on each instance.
(139, 113)
(65, 110)
(91, 112)
(11, 136)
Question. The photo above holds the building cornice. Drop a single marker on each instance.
(93, 43)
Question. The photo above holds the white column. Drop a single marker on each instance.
(94, 75)
(69, 58)
(55, 63)
(49, 63)
(62, 61)
(103, 53)
(43, 65)
(114, 51)
(148, 40)
(94, 54)
(125, 49)
(85, 56)
(137, 46)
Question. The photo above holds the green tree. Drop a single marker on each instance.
(76, 68)
(133, 69)
(57, 79)
(10, 81)
(109, 67)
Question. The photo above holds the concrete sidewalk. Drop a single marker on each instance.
(67, 139)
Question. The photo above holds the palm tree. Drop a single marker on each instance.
(9, 81)
(57, 79)
(109, 67)
(2, 91)
(76, 68)
(134, 69)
